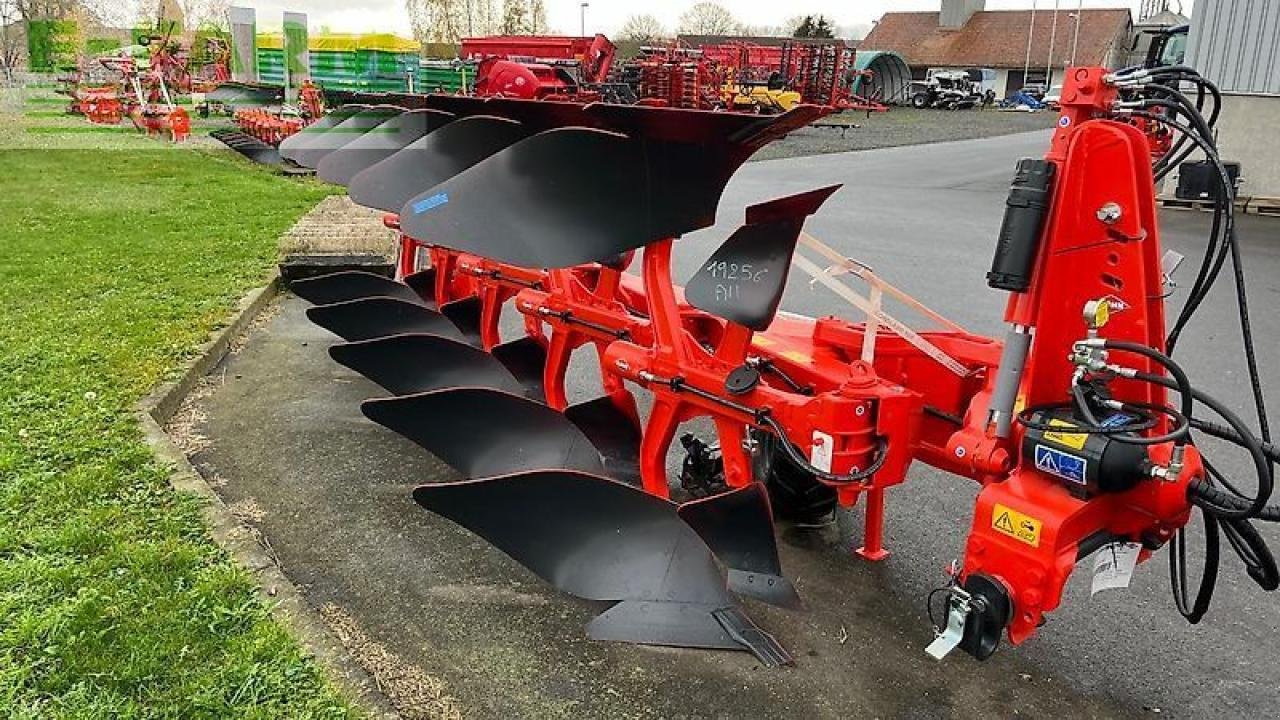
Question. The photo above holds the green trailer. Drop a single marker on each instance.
(369, 63)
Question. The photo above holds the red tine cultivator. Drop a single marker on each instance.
(1064, 423)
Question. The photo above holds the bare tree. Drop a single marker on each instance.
(45, 9)
(11, 39)
(515, 19)
(537, 17)
(642, 28)
(709, 18)
(189, 14)
(446, 21)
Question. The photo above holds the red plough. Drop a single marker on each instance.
(1065, 423)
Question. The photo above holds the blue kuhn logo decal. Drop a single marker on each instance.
(1118, 420)
(1064, 465)
(430, 203)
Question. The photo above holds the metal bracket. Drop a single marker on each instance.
(958, 607)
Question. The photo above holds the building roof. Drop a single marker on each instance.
(998, 38)
(1165, 18)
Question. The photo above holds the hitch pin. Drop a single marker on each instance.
(958, 606)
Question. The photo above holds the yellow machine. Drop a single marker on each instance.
(759, 97)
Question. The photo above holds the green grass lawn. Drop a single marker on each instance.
(115, 262)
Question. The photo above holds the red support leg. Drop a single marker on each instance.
(873, 534)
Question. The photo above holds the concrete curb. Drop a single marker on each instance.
(285, 600)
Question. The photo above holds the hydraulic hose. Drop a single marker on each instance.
(799, 460)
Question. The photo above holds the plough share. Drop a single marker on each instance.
(1066, 423)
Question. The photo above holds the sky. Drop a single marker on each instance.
(607, 16)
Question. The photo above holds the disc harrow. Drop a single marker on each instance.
(496, 214)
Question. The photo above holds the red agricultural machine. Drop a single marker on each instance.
(541, 67)
(766, 78)
(1066, 424)
(145, 99)
(679, 78)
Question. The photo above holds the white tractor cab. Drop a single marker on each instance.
(952, 89)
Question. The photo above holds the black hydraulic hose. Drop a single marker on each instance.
(799, 460)
(1178, 570)
(1204, 280)
(1227, 196)
(1238, 433)
(1215, 500)
(1127, 433)
(1173, 159)
(1222, 432)
(1246, 332)
(1253, 551)
(1224, 511)
(1185, 400)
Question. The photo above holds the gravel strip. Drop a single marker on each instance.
(901, 126)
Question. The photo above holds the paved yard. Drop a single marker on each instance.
(902, 126)
(330, 491)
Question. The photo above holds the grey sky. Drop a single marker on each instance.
(608, 15)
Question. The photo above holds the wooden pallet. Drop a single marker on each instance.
(1177, 203)
(1264, 206)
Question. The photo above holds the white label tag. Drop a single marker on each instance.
(1113, 566)
(821, 455)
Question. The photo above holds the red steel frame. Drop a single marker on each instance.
(645, 333)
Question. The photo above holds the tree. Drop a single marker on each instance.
(709, 18)
(642, 28)
(537, 17)
(188, 14)
(11, 40)
(811, 27)
(446, 21)
(45, 9)
(515, 19)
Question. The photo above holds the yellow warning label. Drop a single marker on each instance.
(761, 341)
(1070, 439)
(1016, 525)
(796, 356)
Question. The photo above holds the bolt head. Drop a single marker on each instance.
(1110, 213)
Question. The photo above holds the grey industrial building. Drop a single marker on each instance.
(1236, 43)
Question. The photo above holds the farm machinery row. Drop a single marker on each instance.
(142, 82)
(1066, 423)
(734, 77)
(141, 93)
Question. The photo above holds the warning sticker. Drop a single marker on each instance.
(1016, 525)
(796, 356)
(1064, 465)
(1070, 439)
(821, 456)
(1113, 566)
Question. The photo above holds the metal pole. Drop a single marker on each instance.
(1053, 36)
(1031, 30)
(584, 18)
(1075, 41)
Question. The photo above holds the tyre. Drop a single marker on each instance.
(920, 101)
(795, 495)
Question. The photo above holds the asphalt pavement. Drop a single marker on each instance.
(331, 495)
